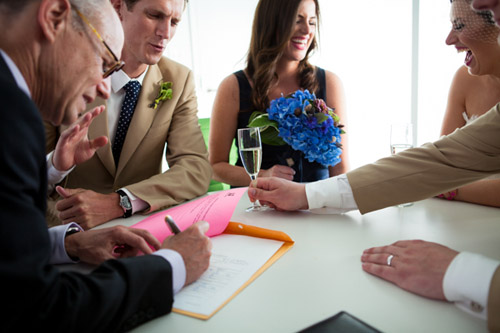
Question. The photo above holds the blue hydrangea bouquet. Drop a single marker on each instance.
(305, 123)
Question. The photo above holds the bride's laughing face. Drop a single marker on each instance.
(475, 33)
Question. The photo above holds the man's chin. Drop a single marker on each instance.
(153, 59)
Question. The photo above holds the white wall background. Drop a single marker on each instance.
(367, 43)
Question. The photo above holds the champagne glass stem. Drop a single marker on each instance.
(255, 204)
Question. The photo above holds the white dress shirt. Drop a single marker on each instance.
(58, 233)
(468, 278)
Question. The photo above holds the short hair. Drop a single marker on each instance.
(92, 9)
(14, 6)
(131, 3)
(89, 8)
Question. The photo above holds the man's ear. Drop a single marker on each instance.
(117, 5)
(53, 17)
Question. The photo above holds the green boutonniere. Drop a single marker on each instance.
(164, 94)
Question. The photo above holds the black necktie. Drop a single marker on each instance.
(132, 89)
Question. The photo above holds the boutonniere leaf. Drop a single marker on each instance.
(165, 93)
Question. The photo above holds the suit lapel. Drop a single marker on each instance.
(98, 128)
(5, 71)
(143, 115)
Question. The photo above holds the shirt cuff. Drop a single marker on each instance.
(55, 176)
(330, 196)
(467, 282)
(138, 204)
(57, 235)
(178, 267)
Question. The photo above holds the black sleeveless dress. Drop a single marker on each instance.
(305, 171)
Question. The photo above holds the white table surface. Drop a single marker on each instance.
(321, 275)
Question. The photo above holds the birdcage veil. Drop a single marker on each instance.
(478, 25)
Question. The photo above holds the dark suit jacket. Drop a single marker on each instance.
(117, 296)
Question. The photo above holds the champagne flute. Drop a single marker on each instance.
(401, 139)
(250, 148)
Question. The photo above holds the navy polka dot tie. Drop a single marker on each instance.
(132, 89)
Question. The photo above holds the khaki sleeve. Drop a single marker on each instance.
(468, 154)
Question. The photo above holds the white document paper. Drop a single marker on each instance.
(234, 260)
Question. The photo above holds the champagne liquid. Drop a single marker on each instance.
(251, 159)
(397, 148)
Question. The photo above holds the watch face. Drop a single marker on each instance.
(125, 202)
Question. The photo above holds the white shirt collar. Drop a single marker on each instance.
(18, 77)
(120, 79)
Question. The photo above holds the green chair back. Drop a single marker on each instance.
(233, 155)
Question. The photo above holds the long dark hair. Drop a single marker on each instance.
(272, 29)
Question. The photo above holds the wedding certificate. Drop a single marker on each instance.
(240, 252)
(235, 259)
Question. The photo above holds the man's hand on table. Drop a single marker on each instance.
(86, 207)
(98, 245)
(417, 266)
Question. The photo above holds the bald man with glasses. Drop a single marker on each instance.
(52, 62)
(125, 176)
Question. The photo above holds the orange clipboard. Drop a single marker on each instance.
(236, 228)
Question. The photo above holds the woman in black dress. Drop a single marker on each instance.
(283, 36)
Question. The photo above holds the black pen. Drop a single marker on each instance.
(171, 225)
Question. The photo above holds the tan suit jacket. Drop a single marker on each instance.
(468, 154)
(174, 122)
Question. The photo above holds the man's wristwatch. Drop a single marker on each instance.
(125, 203)
(71, 231)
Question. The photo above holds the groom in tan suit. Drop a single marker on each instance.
(124, 176)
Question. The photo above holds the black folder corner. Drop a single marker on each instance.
(341, 322)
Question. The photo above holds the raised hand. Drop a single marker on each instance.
(74, 146)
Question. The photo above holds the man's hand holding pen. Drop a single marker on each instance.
(194, 247)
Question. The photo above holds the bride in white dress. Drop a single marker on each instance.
(475, 88)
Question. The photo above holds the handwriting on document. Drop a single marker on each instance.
(234, 260)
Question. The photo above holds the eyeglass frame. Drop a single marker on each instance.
(118, 63)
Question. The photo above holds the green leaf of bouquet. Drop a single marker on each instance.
(320, 117)
(254, 115)
(271, 137)
(262, 120)
(269, 132)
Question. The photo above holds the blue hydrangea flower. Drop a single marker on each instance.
(300, 127)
